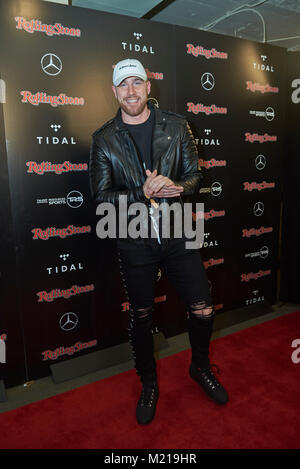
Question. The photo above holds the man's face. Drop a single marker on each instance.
(132, 94)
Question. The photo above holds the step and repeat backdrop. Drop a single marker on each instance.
(63, 292)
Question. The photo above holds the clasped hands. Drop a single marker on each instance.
(160, 186)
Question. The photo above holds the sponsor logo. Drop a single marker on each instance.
(3, 338)
(208, 110)
(57, 168)
(269, 113)
(256, 231)
(250, 186)
(137, 46)
(263, 67)
(215, 189)
(154, 75)
(255, 275)
(62, 269)
(55, 140)
(61, 351)
(51, 64)
(207, 81)
(71, 230)
(209, 244)
(207, 140)
(56, 29)
(157, 299)
(261, 88)
(260, 138)
(212, 262)
(212, 163)
(260, 162)
(68, 321)
(258, 209)
(197, 51)
(208, 215)
(55, 294)
(262, 253)
(74, 199)
(42, 98)
(257, 298)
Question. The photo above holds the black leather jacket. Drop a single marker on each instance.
(116, 168)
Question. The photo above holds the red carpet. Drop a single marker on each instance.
(257, 370)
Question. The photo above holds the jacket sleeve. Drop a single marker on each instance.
(191, 175)
(101, 177)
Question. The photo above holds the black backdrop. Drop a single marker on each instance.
(63, 294)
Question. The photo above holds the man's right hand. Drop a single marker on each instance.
(160, 186)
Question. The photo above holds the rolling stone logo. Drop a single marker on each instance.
(197, 51)
(212, 262)
(254, 86)
(247, 233)
(57, 168)
(42, 98)
(62, 233)
(70, 350)
(207, 110)
(55, 294)
(252, 138)
(212, 163)
(208, 215)
(56, 29)
(250, 186)
(255, 275)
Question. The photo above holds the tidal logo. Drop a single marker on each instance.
(208, 140)
(211, 243)
(56, 140)
(263, 67)
(64, 268)
(137, 47)
(256, 298)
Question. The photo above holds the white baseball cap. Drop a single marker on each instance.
(128, 68)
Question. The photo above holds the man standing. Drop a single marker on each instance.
(150, 156)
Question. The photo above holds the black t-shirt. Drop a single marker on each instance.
(142, 136)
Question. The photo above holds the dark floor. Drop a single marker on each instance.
(43, 388)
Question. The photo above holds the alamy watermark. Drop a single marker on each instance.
(296, 353)
(3, 338)
(152, 221)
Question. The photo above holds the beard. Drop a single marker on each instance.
(136, 109)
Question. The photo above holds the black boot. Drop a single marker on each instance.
(209, 383)
(146, 406)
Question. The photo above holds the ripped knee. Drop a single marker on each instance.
(201, 310)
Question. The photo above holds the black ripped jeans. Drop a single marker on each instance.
(139, 264)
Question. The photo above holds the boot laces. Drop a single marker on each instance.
(209, 377)
(147, 396)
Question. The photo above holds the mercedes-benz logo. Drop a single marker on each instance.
(74, 199)
(260, 162)
(264, 252)
(216, 189)
(51, 64)
(68, 321)
(270, 113)
(207, 81)
(258, 209)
